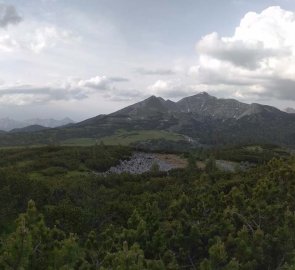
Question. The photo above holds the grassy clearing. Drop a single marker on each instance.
(123, 137)
(22, 146)
(79, 142)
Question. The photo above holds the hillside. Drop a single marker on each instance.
(201, 118)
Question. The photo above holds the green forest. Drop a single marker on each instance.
(58, 212)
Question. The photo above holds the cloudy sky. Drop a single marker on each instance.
(81, 58)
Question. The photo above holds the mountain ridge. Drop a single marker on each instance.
(202, 118)
(201, 103)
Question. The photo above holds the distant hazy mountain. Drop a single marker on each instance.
(52, 123)
(7, 124)
(32, 128)
(290, 110)
(201, 118)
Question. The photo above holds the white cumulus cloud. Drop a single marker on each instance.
(34, 37)
(257, 60)
(46, 37)
(170, 89)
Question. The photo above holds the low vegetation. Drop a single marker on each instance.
(124, 137)
(190, 219)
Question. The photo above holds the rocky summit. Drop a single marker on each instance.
(203, 118)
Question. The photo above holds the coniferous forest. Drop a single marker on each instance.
(147, 135)
(58, 212)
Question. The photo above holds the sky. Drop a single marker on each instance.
(81, 58)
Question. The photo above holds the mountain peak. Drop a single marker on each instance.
(153, 97)
(67, 119)
(203, 94)
(207, 105)
(150, 106)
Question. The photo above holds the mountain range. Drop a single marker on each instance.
(8, 124)
(201, 104)
(202, 118)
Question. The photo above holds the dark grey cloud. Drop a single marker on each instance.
(249, 58)
(238, 53)
(118, 79)
(269, 86)
(28, 94)
(8, 15)
(72, 90)
(214, 77)
(160, 72)
(124, 95)
(282, 89)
